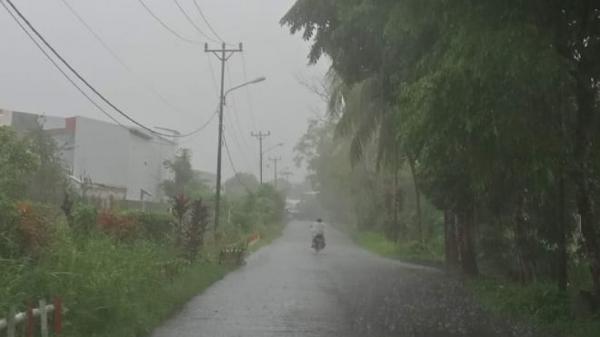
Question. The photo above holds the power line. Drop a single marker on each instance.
(235, 172)
(57, 66)
(212, 74)
(236, 140)
(235, 109)
(195, 132)
(225, 144)
(191, 21)
(248, 95)
(202, 127)
(81, 78)
(166, 27)
(118, 58)
(206, 21)
(241, 143)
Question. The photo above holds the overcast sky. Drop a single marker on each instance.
(178, 71)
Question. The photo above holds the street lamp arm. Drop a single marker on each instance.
(256, 80)
(273, 147)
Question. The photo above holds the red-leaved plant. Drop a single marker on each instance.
(119, 226)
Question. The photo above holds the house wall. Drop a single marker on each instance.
(147, 154)
(123, 159)
(100, 152)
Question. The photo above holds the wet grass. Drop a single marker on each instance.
(408, 251)
(539, 303)
(112, 288)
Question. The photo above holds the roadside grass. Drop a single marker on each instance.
(539, 303)
(113, 288)
(268, 234)
(110, 288)
(410, 251)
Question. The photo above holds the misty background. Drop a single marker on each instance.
(180, 72)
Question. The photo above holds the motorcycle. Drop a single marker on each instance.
(318, 242)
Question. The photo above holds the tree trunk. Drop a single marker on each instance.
(468, 257)
(450, 240)
(397, 230)
(525, 259)
(584, 203)
(561, 230)
(582, 153)
(411, 164)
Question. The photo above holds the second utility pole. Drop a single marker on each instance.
(275, 160)
(260, 136)
(223, 55)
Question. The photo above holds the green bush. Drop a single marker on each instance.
(9, 236)
(105, 283)
(155, 226)
(105, 264)
(540, 303)
(12, 277)
(413, 251)
(539, 300)
(84, 219)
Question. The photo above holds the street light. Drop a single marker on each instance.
(254, 81)
(220, 140)
(273, 147)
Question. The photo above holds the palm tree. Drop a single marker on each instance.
(367, 117)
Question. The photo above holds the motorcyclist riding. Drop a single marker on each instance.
(318, 235)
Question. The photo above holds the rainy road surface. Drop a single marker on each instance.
(287, 290)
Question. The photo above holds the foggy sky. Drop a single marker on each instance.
(179, 71)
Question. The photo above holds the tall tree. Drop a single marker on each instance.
(17, 163)
(48, 182)
(182, 174)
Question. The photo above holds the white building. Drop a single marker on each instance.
(112, 161)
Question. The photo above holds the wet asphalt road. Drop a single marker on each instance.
(287, 290)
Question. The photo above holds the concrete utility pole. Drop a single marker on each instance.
(260, 136)
(275, 160)
(223, 55)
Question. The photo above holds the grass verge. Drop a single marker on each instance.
(409, 251)
(112, 288)
(539, 303)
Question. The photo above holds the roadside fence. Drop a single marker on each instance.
(45, 312)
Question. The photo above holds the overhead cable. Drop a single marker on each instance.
(191, 21)
(166, 27)
(114, 54)
(236, 173)
(206, 21)
(82, 79)
(57, 66)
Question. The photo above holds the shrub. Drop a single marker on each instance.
(9, 227)
(83, 220)
(540, 301)
(196, 228)
(33, 229)
(122, 227)
(103, 281)
(155, 226)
